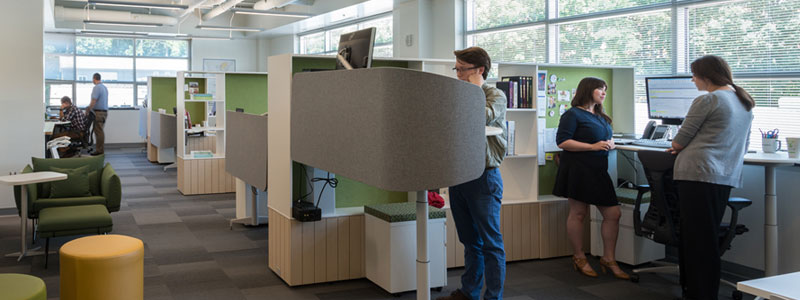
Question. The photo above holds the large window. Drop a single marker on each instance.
(758, 38)
(326, 41)
(123, 63)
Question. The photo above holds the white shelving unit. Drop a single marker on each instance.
(202, 174)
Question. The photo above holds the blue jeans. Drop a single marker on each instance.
(475, 206)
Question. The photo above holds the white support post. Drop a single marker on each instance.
(423, 262)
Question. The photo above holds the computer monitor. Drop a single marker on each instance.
(669, 98)
(355, 49)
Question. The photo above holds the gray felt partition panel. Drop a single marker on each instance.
(395, 129)
(246, 148)
(168, 138)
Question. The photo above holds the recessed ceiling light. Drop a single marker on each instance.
(228, 28)
(247, 11)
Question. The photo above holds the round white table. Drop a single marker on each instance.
(22, 180)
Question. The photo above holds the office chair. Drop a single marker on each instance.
(88, 136)
(661, 222)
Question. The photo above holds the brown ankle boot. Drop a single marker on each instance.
(455, 295)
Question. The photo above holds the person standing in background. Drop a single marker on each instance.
(475, 205)
(710, 146)
(99, 106)
(584, 133)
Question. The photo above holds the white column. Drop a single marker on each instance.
(22, 83)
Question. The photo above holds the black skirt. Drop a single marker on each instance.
(584, 177)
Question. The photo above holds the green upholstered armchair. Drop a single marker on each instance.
(104, 185)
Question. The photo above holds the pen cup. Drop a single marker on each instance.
(770, 145)
(793, 146)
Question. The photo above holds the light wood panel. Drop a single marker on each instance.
(204, 176)
(200, 143)
(553, 221)
(331, 249)
(152, 151)
(519, 225)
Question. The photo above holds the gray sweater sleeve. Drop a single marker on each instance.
(698, 112)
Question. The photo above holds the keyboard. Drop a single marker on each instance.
(620, 141)
(653, 143)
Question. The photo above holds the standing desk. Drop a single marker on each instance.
(770, 161)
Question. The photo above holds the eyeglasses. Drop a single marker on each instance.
(462, 70)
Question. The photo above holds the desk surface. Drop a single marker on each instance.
(49, 125)
(779, 158)
(34, 177)
(782, 285)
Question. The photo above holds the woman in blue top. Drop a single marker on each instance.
(584, 133)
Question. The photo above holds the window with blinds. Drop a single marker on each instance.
(579, 7)
(753, 36)
(760, 39)
(326, 42)
(518, 45)
(490, 14)
(643, 41)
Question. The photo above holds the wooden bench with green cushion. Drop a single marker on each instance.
(22, 287)
(104, 185)
(72, 220)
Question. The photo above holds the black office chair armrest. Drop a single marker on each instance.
(736, 204)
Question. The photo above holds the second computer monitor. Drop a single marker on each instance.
(356, 48)
(669, 98)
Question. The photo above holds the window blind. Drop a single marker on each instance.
(753, 36)
(579, 7)
(489, 14)
(519, 45)
(643, 41)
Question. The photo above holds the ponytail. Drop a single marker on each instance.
(744, 97)
(716, 70)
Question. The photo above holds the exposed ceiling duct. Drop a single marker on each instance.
(80, 15)
(270, 4)
(216, 11)
(197, 5)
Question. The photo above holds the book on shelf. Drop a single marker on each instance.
(202, 96)
(524, 96)
(511, 140)
(201, 154)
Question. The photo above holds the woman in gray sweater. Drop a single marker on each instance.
(710, 146)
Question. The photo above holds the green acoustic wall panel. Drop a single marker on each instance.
(349, 193)
(247, 91)
(569, 77)
(164, 97)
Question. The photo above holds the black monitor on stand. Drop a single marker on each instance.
(669, 98)
(355, 49)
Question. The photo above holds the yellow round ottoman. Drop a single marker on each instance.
(22, 287)
(102, 267)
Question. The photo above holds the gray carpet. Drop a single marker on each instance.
(190, 252)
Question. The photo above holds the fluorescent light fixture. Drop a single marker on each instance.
(247, 11)
(111, 32)
(228, 28)
(138, 4)
(115, 23)
(210, 38)
(167, 34)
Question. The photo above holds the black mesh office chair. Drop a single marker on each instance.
(88, 136)
(662, 219)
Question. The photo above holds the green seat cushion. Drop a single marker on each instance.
(22, 287)
(628, 196)
(95, 163)
(400, 212)
(72, 201)
(73, 218)
(76, 184)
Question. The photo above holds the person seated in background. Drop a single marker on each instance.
(78, 124)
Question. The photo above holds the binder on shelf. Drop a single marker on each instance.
(202, 96)
(511, 139)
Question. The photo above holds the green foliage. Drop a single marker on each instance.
(104, 46)
(314, 43)
(523, 45)
(162, 48)
(642, 41)
(579, 7)
(753, 36)
(489, 14)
